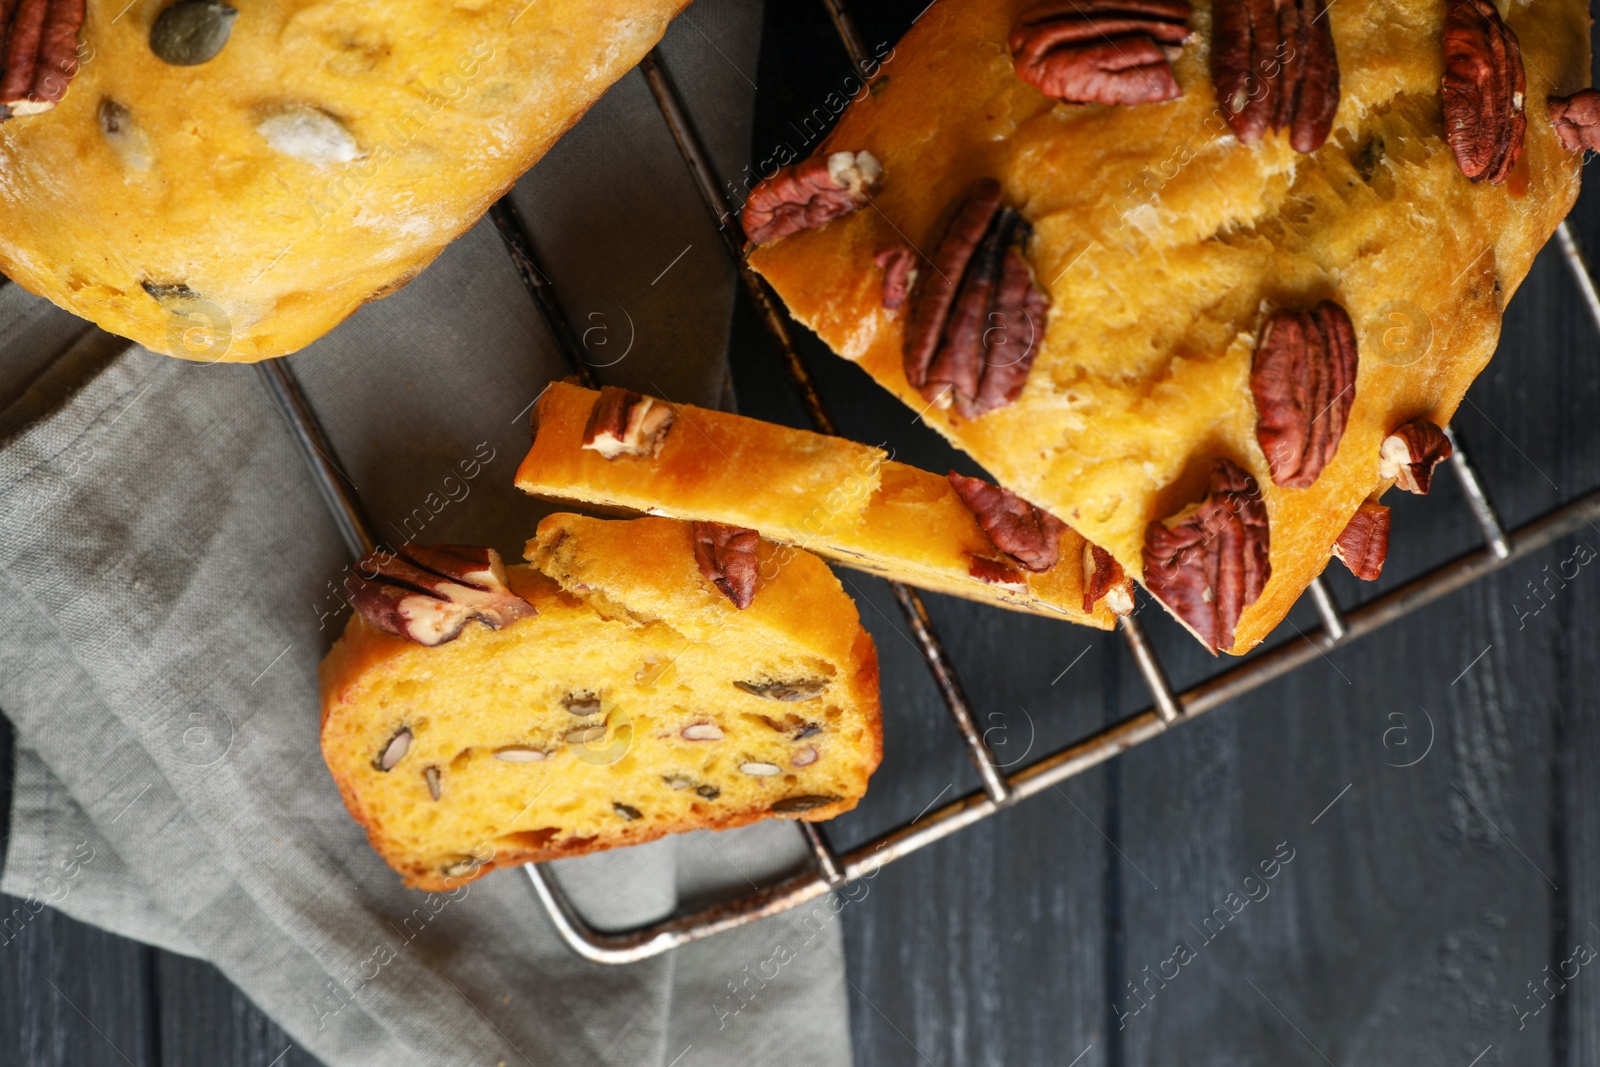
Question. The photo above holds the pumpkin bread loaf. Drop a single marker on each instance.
(230, 182)
(477, 716)
(1200, 280)
(845, 501)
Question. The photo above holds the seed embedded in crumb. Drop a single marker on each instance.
(627, 811)
(395, 750)
(702, 731)
(517, 754)
(461, 867)
(801, 689)
(584, 703)
(761, 770)
(805, 757)
(431, 773)
(676, 781)
(584, 734)
(191, 32)
(310, 135)
(126, 138)
(810, 729)
(710, 792)
(792, 805)
(174, 296)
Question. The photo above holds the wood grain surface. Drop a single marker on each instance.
(1424, 798)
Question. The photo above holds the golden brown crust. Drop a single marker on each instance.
(620, 567)
(1162, 240)
(444, 107)
(845, 501)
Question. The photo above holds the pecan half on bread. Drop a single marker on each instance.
(899, 274)
(1409, 454)
(41, 53)
(624, 423)
(727, 559)
(976, 314)
(1577, 120)
(1364, 543)
(1030, 536)
(1103, 577)
(1101, 51)
(997, 572)
(1304, 381)
(809, 194)
(428, 593)
(1211, 561)
(1274, 67)
(1484, 91)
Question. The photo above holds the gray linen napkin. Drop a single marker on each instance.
(166, 570)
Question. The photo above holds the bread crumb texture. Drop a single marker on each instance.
(240, 208)
(1163, 243)
(638, 702)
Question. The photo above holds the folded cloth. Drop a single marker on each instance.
(168, 583)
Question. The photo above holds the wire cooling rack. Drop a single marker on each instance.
(829, 869)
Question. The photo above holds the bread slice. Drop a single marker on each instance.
(1163, 242)
(846, 501)
(638, 701)
(239, 208)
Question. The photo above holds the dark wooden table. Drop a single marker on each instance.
(1424, 797)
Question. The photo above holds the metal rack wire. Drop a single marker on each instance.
(829, 870)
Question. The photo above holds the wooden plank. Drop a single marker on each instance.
(1414, 900)
(72, 994)
(1423, 902)
(1577, 708)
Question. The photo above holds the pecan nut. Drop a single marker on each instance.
(41, 53)
(1577, 120)
(1119, 598)
(1304, 381)
(1213, 560)
(727, 559)
(625, 423)
(997, 572)
(977, 315)
(1103, 578)
(1409, 454)
(1274, 67)
(1100, 573)
(1101, 51)
(1484, 90)
(1029, 535)
(809, 194)
(899, 274)
(428, 593)
(1363, 545)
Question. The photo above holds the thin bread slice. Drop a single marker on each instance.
(846, 501)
